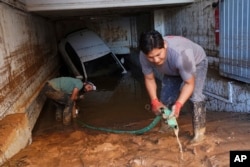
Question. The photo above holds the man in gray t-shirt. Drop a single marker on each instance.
(183, 65)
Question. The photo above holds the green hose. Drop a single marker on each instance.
(138, 132)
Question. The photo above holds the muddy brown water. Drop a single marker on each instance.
(122, 106)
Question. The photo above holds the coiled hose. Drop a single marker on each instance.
(138, 132)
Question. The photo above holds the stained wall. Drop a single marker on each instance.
(28, 57)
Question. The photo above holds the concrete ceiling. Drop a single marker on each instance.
(66, 9)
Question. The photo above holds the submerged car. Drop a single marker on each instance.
(87, 56)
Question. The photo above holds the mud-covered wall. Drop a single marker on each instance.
(28, 57)
(196, 22)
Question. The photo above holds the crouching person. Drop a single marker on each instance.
(64, 91)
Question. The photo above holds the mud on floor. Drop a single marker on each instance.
(124, 108)
(77, 146)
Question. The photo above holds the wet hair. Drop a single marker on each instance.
(150, 40)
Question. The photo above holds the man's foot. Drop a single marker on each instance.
(199, 136)
(67, 116)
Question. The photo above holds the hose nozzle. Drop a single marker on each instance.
(170, 120)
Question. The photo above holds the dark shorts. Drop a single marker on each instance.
(57, 96)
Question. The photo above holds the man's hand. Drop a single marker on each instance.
(176, 108)
(81, 97)
(156, 106)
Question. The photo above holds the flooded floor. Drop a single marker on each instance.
(124, 107)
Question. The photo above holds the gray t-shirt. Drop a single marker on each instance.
(182, 57)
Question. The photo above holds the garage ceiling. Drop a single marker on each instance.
(58, 9)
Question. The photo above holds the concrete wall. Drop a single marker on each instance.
(196, 22)
(27, 59)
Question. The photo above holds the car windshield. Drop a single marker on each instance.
(103, 66)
